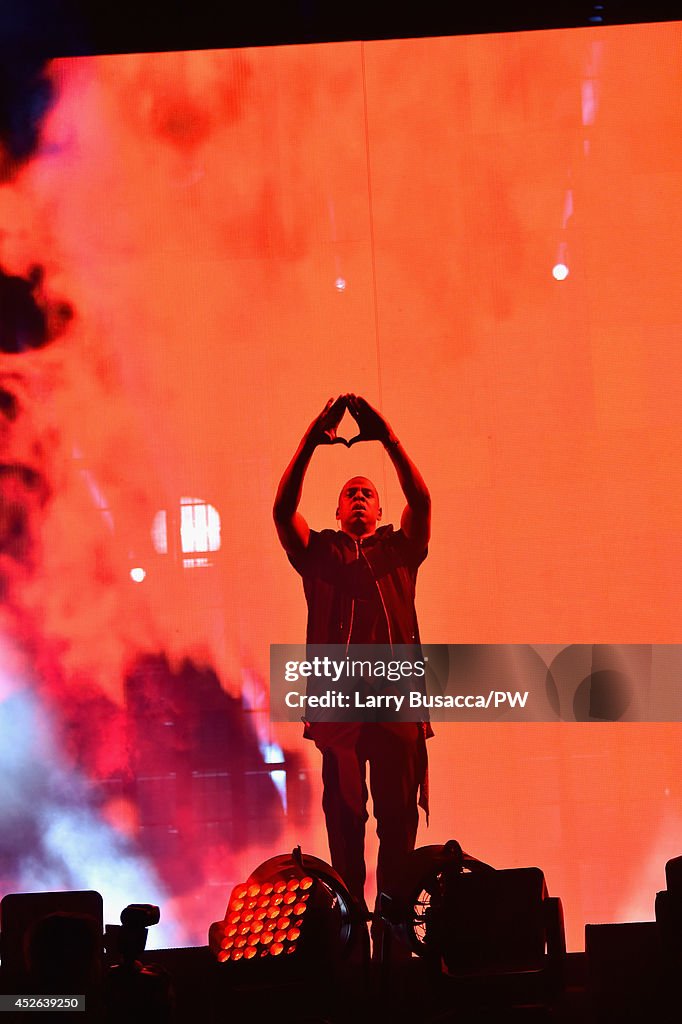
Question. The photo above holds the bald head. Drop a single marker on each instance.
(358, 511)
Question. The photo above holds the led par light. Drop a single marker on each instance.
(292, 908)
(263, 920)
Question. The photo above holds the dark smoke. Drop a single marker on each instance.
(26, 95)
(8, 405)
(24, 489)
(196, 768)
(27, 319)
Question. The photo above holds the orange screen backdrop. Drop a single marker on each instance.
(243, 234)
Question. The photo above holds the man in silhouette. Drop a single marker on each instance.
(359, 584)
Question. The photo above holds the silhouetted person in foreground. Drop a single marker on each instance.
(359, 584)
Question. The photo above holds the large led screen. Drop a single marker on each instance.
(481, 236)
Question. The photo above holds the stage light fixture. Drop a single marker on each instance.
(414, 908)
(292, 909)
(669, 913)
(471, 920)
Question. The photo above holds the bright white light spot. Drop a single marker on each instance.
(194, 563)
(560, 271)
(272, 753)
(279, 779)
(199, 530)
(340, 284)
(160, 532)
(199, 526)
(137, 574)
(588, 96)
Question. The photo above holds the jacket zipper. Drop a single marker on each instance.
(352, 604)
(350, 626)
(381, 596)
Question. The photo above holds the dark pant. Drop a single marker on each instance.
(396, 755)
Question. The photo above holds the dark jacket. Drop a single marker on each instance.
(393, 561)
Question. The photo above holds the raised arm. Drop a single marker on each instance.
(292, 529)
(416, 517)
